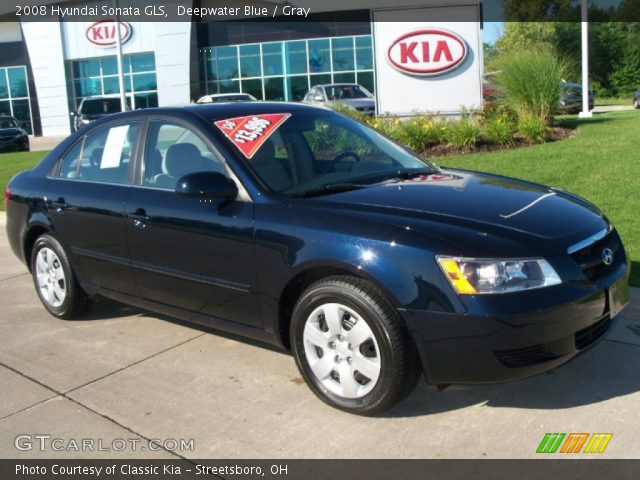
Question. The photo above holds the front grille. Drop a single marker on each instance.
(587, 336)
(589, 258)
(524, 357)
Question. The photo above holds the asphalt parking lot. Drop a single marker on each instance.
(123, 373)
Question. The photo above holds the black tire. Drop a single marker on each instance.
(636, 104)
(76, 301)
(400, 368)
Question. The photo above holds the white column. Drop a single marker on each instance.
(44, 43)
(123, 93)
(585, 113)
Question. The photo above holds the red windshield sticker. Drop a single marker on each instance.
(249, 133)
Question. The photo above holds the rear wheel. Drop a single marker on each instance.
(351, 347)
(54, 280)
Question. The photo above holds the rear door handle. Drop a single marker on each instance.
(59, 204)
(139, 218)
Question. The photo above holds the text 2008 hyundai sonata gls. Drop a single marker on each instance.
(298, 226)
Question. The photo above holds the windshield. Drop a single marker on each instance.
(321, 151)
(346, 92)
(100, 106)
(8, 122)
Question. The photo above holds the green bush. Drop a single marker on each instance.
(463, 133)
(499, 130)
(533, 129)
(420, 132)
(530, 77)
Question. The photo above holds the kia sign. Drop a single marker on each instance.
(426, 66)
(427, 52)
(104, 33)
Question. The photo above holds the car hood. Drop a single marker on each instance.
(356, 102)
(499, 214)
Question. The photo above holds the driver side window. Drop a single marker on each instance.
(173, 151)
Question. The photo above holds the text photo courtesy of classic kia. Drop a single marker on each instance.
(300, 227)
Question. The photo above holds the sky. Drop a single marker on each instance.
(492, 31)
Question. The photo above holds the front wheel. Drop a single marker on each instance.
(636, 104)
(351, 347)
(54, 280)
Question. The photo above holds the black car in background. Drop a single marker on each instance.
(12, 136)
(571, 98)
(93, 108)
(301, 227)
(636, 99)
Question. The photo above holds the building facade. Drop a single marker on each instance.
(47, 68)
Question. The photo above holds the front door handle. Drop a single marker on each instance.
(139, 218)
(59, 204)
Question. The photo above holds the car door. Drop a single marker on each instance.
(189, 253)
(85, 201)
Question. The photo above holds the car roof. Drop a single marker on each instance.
(339, 85)
(221, 111)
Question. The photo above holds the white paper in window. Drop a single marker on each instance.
(113, 147)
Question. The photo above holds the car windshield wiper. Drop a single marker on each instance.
(331, 188)
(409, 173)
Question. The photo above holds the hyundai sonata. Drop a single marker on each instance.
(300, 227)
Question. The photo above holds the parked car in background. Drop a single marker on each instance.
(349, 94)
(13, 137)
(636, 99)
(571, 98)
(93, 108)
(302, 227)
(227, 97)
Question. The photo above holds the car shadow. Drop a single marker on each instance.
(574, 122)
(107, 309)
(599, 374)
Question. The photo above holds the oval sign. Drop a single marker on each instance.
(103, 33)
(428, 52)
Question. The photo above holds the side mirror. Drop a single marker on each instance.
(207, 185)
(318, 98)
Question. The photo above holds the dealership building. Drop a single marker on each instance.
(47, 67)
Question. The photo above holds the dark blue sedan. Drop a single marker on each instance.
(300, 227)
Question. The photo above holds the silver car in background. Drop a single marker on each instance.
(349, 94)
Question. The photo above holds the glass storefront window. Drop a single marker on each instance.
(145, 81)
(297, 87)
(18, 81)
(229, 86)
(4, 91)
(364, 53)
(250, 61)
(274, 88)
(272, 58)
(319, 56)
(349, 77)
(253, 87)
(366, 80)
(109, 66)
(286, 70)
(86, 68)
(14, 95)
(142, 62)
(98, 76)
(296, 55)
(342, 52)
(227, 61)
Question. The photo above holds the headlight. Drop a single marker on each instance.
(470, 276)
(84, 121)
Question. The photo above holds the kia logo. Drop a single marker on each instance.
(103, 33)
(427, 52)
(607, 256)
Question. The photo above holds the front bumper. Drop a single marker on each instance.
(512, 344)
